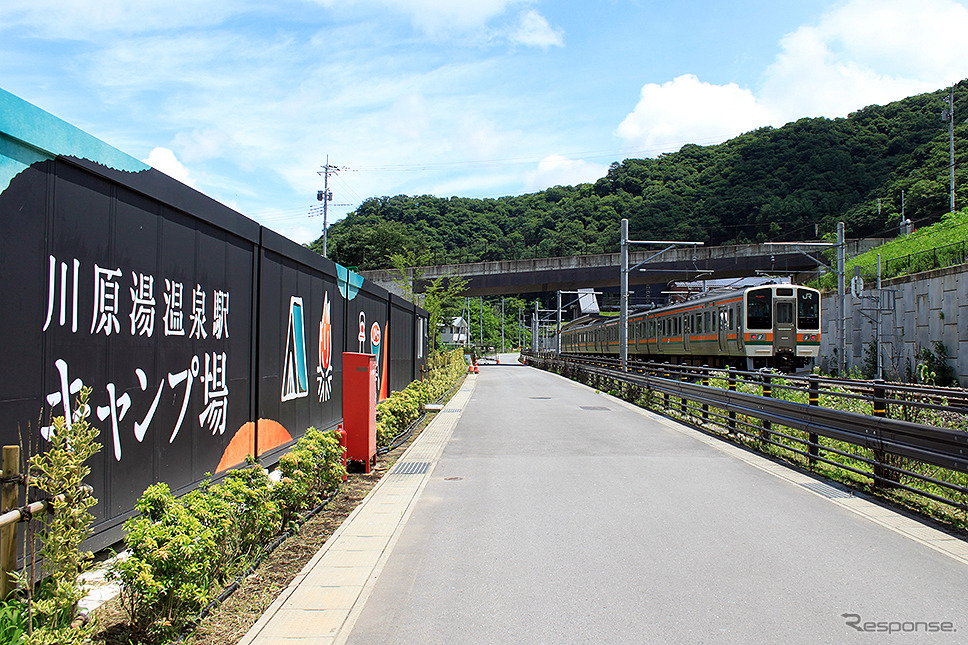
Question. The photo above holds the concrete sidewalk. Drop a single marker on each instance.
(553, 513)
(322, 602)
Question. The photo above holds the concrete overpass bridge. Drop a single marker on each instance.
(542, 275)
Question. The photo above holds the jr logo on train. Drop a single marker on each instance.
(775, 326)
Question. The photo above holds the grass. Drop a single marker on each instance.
(939, 245)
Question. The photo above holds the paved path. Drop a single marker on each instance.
(555, 514)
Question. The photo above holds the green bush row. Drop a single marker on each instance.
(395, 414)
(181, 550)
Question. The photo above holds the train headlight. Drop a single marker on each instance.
(758, 337)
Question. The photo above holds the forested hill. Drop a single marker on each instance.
(773, 184)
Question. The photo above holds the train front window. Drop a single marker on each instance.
(784, 312)
(808, 309)
(759, 313)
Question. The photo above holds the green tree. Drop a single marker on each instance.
(442, 300)
(779, 184)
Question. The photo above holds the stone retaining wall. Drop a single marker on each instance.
(920, 310)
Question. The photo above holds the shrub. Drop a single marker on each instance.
(310, 471)
(180, 549)
(400, 409)
(933, 368)
(239, 511)
(59, 472)
(172, 563)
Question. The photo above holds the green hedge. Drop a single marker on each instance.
(182, 550)
(395, 414)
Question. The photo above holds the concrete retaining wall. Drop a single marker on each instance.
(920, 310)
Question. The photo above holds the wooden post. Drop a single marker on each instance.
(705, 382)
(683, 376)
(768, 393)
(9, 500)
(883, 477)
(814, 400)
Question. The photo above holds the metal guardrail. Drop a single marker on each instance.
(934, 258)
(891, 441)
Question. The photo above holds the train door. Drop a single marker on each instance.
(720, 323)
(784, 330)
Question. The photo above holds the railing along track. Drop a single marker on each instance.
(897, 447)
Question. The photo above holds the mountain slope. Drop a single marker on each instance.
(790, 183)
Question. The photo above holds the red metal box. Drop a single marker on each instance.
(359, 407)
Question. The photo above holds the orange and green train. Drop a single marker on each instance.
(775, 325)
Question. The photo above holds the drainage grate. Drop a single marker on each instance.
(594, 407)
(539, 398)
(451, 411)
(411, 468)
(827, 491)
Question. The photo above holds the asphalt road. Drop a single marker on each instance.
(556, 515)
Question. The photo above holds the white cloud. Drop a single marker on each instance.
(860, 53)
(298, 233)
(435, 16)
(557, 170)
(83, 20)
(164, 160)
(865, 52)
(533, 30)
(202, 144)
(687, 110)
(438, 18)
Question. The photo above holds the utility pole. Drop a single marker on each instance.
(534, 329)
(841, 302)
(558, 327)
(623, 299)
(880, 310)
(326, 196)
(502, 324)
(948, 114)
(623, 325)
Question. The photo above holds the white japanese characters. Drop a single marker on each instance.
(109, 308)
(174, 325)
(143, 304)
(105, 301)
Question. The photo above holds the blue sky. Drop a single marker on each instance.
(244, 99)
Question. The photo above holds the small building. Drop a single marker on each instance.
(455, 333)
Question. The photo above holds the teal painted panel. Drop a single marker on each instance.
(29, 134)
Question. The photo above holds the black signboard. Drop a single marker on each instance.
(203, 336)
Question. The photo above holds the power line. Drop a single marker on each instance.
(347, 188)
